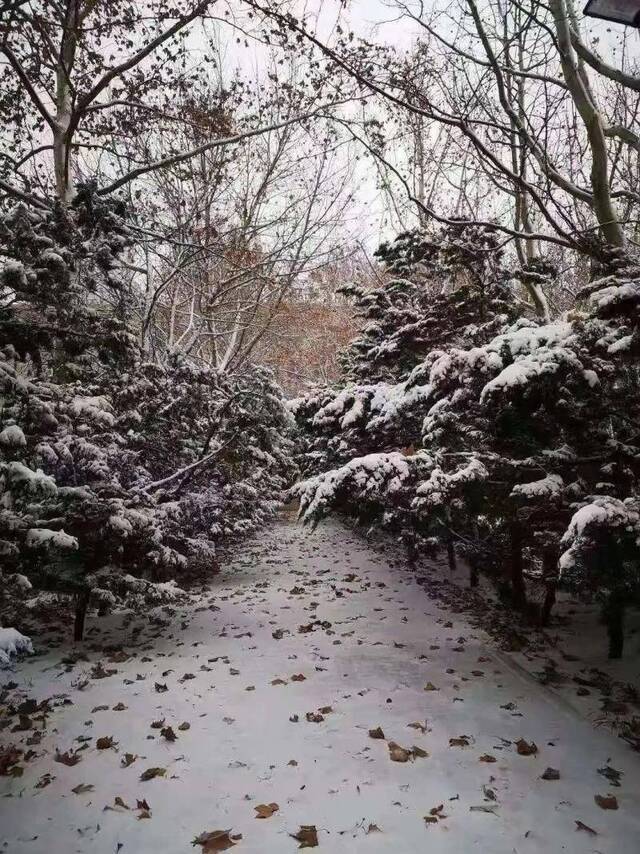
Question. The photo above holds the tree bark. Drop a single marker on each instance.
(550, 575)
(613, 613)
(82, 603)
(518, 590)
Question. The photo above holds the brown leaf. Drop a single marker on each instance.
(461, 741)
(150, 773)
(157, 724)
(430, 819)
(119, 707)
(580, 825)
(298, 677)
(105, 742)
(184, 726)
(550, 774)
(606, 802)
(376, 733)
(526, 748)
(216, 840)
(307, 836)
(325, 710)
(314, 717)
(128, 759)
(373, 828)
(82, 788)
(67, 758)
(430, 687)
(487, 757)
(397, 753)
(168, 733)
(119, 802)
(266, 810)
(417, 725)
(160, 688)
(418, 752)
(142, 805)
(278, 681)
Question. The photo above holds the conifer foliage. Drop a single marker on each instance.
(513, 442)
(116, 475)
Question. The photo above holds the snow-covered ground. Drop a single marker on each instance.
(371, 642)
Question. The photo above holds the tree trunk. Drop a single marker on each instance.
(518, 591)
(474, 571)
(82, 603)
(550, 575)
(451, 554)
(613, 613)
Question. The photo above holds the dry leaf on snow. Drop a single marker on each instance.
(82, 788)
(128, 759)
(307, 836)
(376, 733)
(266, 810)
(526, 748)
(150, 773)
(606, 802)
(397, 753)
(216, 840)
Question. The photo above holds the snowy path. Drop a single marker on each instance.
(386, 642)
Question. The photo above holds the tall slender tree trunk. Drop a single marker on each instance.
(550, 576)
(613, 614)
(82, 603)
(518, 590)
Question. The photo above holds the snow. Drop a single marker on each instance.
(386, 641)
(546, 487)
(34, 481)
(13, 437)
(12, 643)
(44, 538)
(97, 408)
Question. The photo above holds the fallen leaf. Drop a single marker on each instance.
(128, 759)
(168, 733)
(490, 808)
(606, 802)
(550, 774)
(119, 707)
(298, 677)
(580, 825)
(160, 688)
(105, 742)
(487, 757)
(150, 773)
(418, 752)
(373, 828)
(184, 726)
(216, 840)
(266, 810)
(430, 687)
(460, 741)
(525, 748)
(417, 725)
(278, 681)
(142, 805)
(397, 753)
(82, 788)
(67, 758)
(376, 733)
(307, 836)
(314, 717)
(611, 774)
